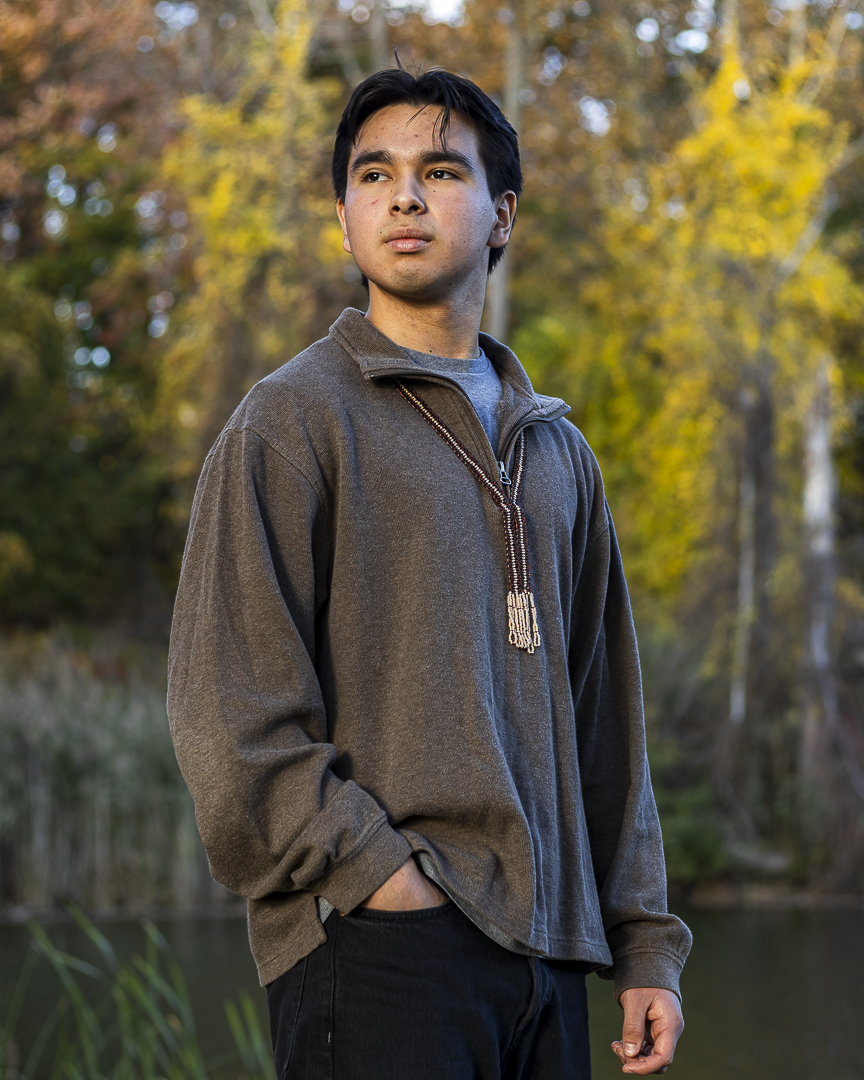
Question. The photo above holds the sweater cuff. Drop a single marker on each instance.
(358, 877)
(658, 971)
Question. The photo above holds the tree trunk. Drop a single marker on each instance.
(755, 536)
(378, 38)
(739, 763)
(498, 289)
(824, 736)
(731, 777)
(746, 601)
(798, 34)
(819, 496)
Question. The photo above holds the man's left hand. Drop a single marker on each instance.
(652, 1026)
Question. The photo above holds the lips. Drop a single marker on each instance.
(408, 240)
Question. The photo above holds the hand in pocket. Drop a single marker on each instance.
(406, 890)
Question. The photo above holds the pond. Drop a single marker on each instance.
(768, 995)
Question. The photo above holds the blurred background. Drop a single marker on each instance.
(687, 271)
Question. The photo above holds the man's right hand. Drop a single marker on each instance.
(406, 890)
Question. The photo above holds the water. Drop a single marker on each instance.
(213, 954)
(768, 995)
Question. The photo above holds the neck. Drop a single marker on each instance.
(441, 327)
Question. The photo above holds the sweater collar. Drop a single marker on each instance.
(377, 356)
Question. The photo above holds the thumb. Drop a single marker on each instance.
(634, 1028)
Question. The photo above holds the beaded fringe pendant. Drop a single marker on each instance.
(521, 611)
(524, 632)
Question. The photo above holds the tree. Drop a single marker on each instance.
(718, 302)
(268, 269)
(84, 112)
(685, 264)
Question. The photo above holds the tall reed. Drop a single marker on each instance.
(142, 1028)
(92, 804)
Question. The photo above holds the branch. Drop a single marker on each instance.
(263, 18)
(344, 54)
(798, 35)
(692, 104)
(768, 318)
(816, 224)
(828, 58)
(807, 239)
(853, 151)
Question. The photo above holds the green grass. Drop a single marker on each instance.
(141, 1028)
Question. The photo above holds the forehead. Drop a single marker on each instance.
(407, 130)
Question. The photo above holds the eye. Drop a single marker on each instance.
(373, 177)
(442, 174)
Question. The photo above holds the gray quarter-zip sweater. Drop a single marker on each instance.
(342, 692)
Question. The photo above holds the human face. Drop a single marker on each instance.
(418, 217)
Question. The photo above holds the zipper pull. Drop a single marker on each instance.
(502, 468)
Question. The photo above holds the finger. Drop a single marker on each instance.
(634, 1027)
(664, 1044)
(618, 1050)
(647, 1064)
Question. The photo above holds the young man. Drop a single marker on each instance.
(404, 686)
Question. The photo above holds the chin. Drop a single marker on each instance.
(413, 283)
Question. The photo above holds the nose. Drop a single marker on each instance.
(407, 198)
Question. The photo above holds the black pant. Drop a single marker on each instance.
(425, 995)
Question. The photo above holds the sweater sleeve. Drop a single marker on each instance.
(245, 706)
(648, 945)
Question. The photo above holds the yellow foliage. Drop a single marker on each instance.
(693, 298)
(253, 171)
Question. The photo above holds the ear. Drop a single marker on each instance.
(340, 212)
(505, 215)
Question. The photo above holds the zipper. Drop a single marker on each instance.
(505, 479)
(521, 610)
(521, 424)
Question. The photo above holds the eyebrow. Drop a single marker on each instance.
(380, 156)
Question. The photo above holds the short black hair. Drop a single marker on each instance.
(498, 141)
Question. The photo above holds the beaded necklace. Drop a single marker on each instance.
(521, 612)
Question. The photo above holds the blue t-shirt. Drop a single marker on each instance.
(478, 378)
